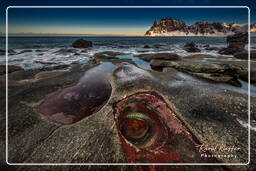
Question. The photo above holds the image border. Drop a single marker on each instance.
(249, 112)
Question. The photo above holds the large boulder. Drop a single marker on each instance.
(238, 40)
(227, 73)
(235, 44)
(191, 47)
(81, 43)
(162, 56)
(146, 46)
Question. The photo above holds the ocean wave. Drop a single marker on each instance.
(40, 57)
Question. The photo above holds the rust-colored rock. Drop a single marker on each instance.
(150, 132)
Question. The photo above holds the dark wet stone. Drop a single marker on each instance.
(76, 54)
(244, 55)
(44, 62)
(230, 51)
(81, 43)
(87, 97)
(146, 46)
(2, 52)
(11, 68)
(161, 56)
(25, 51)
(235, 44)
(191, 47)
(228, 69)
(83, 51)
(227, 73)
(108, 54)
(198, 56)
(237, 40)
(212, 48)
(41, 50)
(219, 78)
(252, 76)
(190, 44)
(208, 47)
(11, 51)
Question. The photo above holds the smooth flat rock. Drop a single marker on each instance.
(162, 56)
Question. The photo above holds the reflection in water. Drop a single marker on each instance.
(139, 62)
(87, 97)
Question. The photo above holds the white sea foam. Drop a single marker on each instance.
(126, 45)
(29, 60)
(245, 124)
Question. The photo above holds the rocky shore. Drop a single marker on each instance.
(68, 113)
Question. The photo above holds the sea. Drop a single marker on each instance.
(41, 51)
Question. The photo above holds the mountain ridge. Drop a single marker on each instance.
(176, 27)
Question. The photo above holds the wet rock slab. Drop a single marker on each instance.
(11, 68)
(209, 111)
(214, 72)
(162, 56)
(107, 55)
(198, 104)
(245, 55)
(31, 132)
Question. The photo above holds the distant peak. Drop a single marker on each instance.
(174, 27)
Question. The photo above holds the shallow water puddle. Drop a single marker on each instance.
(140, 63)
(87, 97)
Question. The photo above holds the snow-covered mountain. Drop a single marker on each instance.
(175, 27)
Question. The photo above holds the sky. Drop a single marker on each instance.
(113, 21)
(123, 21)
